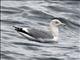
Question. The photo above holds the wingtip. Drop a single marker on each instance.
(14, 26)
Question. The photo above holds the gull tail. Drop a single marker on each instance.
(24, 31)
(18, 28)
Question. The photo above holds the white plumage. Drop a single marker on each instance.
(38, 34)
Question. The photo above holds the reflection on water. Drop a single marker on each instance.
(39, 14)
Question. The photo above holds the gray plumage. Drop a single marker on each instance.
(40, 34)
(37, 33)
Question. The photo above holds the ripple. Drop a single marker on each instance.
(10, 10)
(38, 14)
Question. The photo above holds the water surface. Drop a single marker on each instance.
(38, 14)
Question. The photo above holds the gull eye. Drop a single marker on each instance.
(56, 22)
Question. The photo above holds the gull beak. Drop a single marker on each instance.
(63, 24)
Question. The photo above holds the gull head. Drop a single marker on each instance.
(57, 23)
(54, 24)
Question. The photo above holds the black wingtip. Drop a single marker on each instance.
(17, 28)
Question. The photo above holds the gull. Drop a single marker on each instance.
(38, 34)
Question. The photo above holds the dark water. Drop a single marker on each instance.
(38, 14)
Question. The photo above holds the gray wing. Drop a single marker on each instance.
(37, 33)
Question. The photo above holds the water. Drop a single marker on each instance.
(38, 14)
